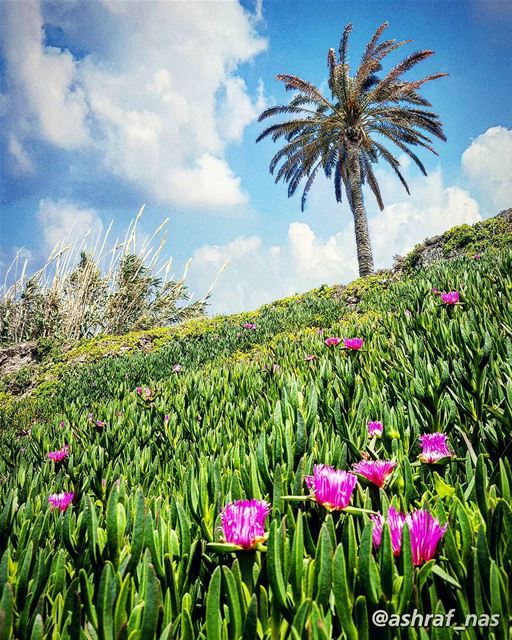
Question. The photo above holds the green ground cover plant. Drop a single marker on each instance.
(150, 447)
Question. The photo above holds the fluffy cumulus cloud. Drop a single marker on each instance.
(258, 273)
(62, 222)
(44, 97)
(157, 95)
(252, 273)
(487, 162)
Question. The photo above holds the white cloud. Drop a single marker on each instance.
(431, 209)
(210, 183)
(238, 110)
(308, 257)
(43, 79)
(488, 163)
(257, 274)
(158, 97)
(22, 161)
(64, 222)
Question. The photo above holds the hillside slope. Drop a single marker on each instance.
(155, 452)
(152, 354)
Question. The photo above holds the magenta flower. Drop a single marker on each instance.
(395, 521)
(177, 368)
(434, 290)
(477, 256)
(249, 325)
(375, 429)
(376, 471)
(332, 342)
(166, 418)
(243, 522)
(100, 423)
(331, 487)
(450, 298)
(61, 501)
(425, 533)
(353, 343)
(144, 392)
(309, 358)
(434, 448)
(59, 455)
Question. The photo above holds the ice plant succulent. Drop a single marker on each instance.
(434, 447)
(425, 532)
(243, 522)
(395, 521)
(376, 471)
(353, 343)
(452, 297)
(249, 325)
(332, 488)
(332, 342)
(177, 368)
(375, 429)
(59, 455)
(145, 393)
(61, 501)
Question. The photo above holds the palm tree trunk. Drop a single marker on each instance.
(364, 248)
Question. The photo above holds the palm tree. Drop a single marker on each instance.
(346, 135)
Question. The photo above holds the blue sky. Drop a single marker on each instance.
(107, 105)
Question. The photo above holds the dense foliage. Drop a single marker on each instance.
(156, 451)
(93, 289)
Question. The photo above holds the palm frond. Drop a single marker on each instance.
(367, 112)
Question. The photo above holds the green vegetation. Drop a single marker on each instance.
(132, 557)
(91, 289)
(493, 234)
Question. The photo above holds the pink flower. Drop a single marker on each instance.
(353, 343)
(177, 368)
(59, 455)
(375, 429)
(425, 533)
(243, 522)
(477, 256)
(310, 358)
(434, 290)
(276, 368)
(395, 521)
(332, 342)
(434, 447)
(144, 392)
(249, 325)
(100, 423)
(61, 501)
(450, 298)
(331, 487)
(166, 418)
(376, 471)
